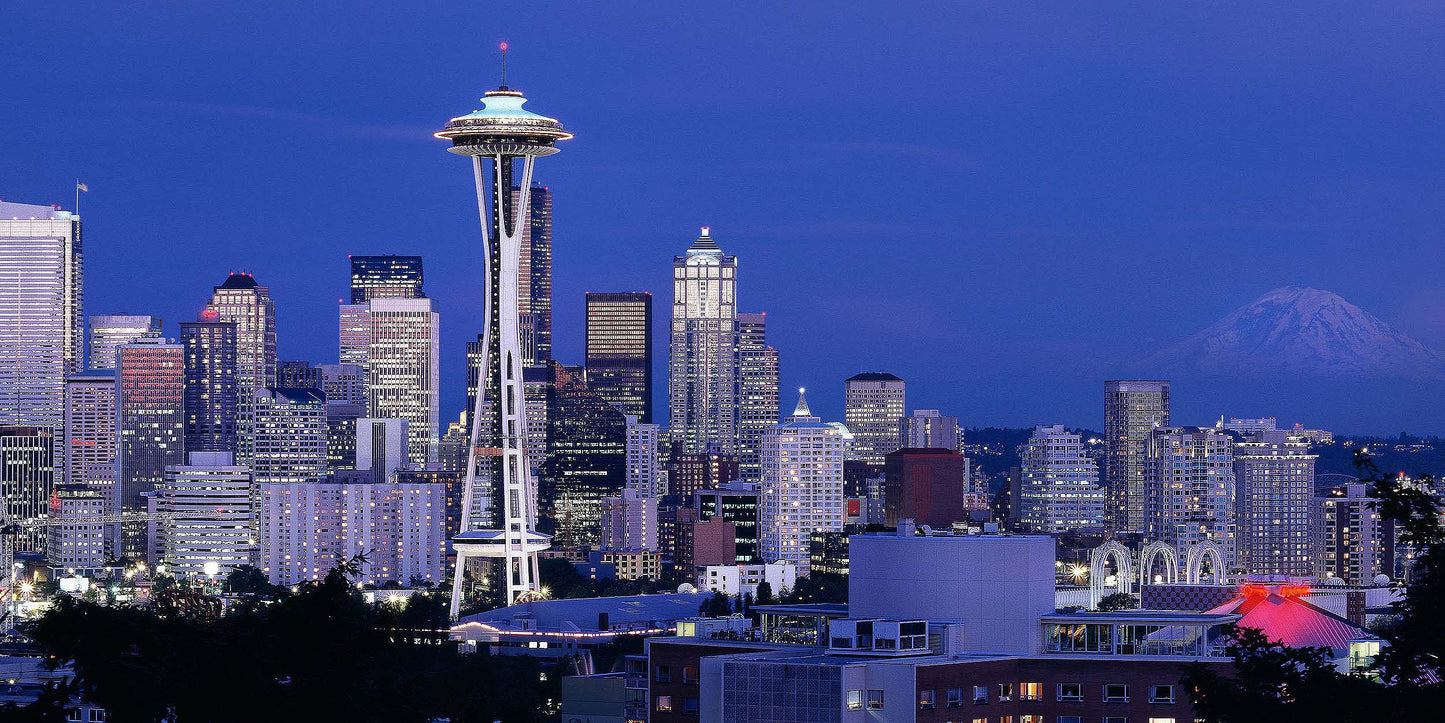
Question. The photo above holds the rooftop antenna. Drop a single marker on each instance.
(504, 64)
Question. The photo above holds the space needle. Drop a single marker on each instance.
(502, 138)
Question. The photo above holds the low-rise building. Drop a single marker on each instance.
(745, 579)
(632, 564)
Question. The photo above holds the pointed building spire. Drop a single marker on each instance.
(802, 409)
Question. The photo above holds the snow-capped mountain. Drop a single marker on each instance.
(1301, 331)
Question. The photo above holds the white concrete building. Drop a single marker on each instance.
(872, 409)
(206, 505)
(1274, 494)
(306, 527)
(646, 471)
(735, 579)
(802, 486)
(1059, 484)
(381, 445)
(629, 522)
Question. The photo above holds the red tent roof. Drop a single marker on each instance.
(1283, 616)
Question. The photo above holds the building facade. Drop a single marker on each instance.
(247, 304)
(534, 272)
(1274, 476)
(1132, 410)
(403, 367)
(109, 331)
(929, 428)
(802, 486)
(41, 291)
(1189, 489)
(385, 277)
(758, 378)
(1059, 484)
(619, 350)
(646, 473)
(90, 431)
(76, 538)
(1352, 540)
(629, 522)
(150, 386)
(586, 459)
(289, 430)
(206, 505)
(212, 397)
(27, 479)
(872, 408)
(703, 365)
(925, 485)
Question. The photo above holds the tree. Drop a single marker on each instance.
(716, 606)
(1117, 601)
(247, 580)
(1406, 681)
(818, 587)
(765, 594)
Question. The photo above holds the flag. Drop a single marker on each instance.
(82, 187)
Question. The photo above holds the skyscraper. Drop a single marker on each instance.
(586, 459)
(290, 435)
(619, 350)
(703, 366)
(926, 485)
(1132, 410)
(629, 522)
(212, 397)
(757, 391)
(241, 300)
(150, 384)
(108, 331)
(355, 334)
(403, 372)
(1189, 489)
(27, 478)
(40, 307)
(802, 486)
(534, 275)
(1274, 477)
(1059, 484)
(646, 474)
(872, 408)
(90, 430)
(297, 375)
(496, 138)
(385, 277)
(1353, 541)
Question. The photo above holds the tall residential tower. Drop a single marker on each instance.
(1132, 410)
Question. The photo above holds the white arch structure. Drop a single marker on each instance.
(1153, 551)
(1098, 557)
(1194, 562)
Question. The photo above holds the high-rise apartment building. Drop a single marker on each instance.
(108, 331)
(90, 431)
(619, 350)
(206, 506)
(872, 408)
(1132, 410)
(534, 276)
(1352, 540)
(802, 486)
(1059, 484)
(150, 392)
(646, 473)
(1189, 489)
(1274, 477)
(403, 373)
(212, 400)
(758, 372)
(40, 314)
(586, 459)
(703, 365)
(928, 428)
(307, 526)
(27, 478)
(629, 522)
(385, 277)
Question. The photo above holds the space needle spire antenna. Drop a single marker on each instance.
(504, 64)
(499, 506)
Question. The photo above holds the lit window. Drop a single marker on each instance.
(1031, 691)
(925, 700)
(664, 704)
(855, 700)
(1005, 692)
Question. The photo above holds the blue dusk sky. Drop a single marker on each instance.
(1005, 203)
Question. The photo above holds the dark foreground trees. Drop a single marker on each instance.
(321, 653)
(1407, 683)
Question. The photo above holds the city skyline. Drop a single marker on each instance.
(1277, 228)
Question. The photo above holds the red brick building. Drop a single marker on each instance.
(925, 485)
